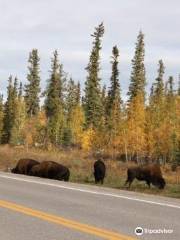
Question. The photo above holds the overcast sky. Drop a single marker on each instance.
(66, 25)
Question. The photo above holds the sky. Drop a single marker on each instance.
(67, 26)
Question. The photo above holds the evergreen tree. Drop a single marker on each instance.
(54, 102)
(55, 88)
(179, 86)
(56, 127)
(158, 113)
(9, 111)
(20, 90)
(114, 103)
(151, 95)
(159, 84)
(136, 103)
(78, 93)
(73, 96)
(171, 138)
(104, 100)
(15, 89)
(1, 117)
(114, 99)
(92, 100)
(176, 159)
(170, 90)
(159, 95)
(138, 79)
(32, 89)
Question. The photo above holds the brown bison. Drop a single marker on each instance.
(24, 166)
(99, 171)
(52, 170)
(149, 174)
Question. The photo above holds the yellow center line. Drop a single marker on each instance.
(65, 222)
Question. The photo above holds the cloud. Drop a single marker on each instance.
(67, 25)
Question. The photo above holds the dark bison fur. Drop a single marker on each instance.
(151, 174)
(99, 171)
(52, 170)
(24, 166)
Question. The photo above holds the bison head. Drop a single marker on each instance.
(161, 183)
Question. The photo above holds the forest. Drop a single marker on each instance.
(95, 118)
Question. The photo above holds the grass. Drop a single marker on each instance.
(81, 167)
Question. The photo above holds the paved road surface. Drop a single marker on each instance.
(41, 209)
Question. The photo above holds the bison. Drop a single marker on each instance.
(99, 171)
(52, 170)
(149, 174)
(24, 166)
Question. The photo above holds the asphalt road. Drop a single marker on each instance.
(41, 209)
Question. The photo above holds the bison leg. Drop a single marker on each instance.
(126, 182)
(14, 170)
(129, 180)
(148, 183)
(67, 175)
(26, 171)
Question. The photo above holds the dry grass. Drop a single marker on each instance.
(81, 167)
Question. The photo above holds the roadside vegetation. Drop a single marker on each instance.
(81, 166)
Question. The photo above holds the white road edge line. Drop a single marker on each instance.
(92, 192)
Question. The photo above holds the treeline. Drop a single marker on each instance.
(147, 126)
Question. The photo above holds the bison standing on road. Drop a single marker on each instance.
(52, 170)
(24, 166)
(99, 171)
(149, 174)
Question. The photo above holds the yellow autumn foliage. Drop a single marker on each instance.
(87, 139)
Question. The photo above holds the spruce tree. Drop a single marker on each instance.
(73, 96)
(176, 161)
(78, 94)
(138, 79)
(55, 88)
(114, 99)
(1, 117)
(104, 100)
(170, 86)
(20, 90)
(159, 83)
(32, 89)
(171, 120)
(9, 111)
(54, 102)
(114, 103)
(179, 86)
(15, 89)
(136, 102)
(159, 95)
(158, 110)
(92, 100)
(151, 95)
